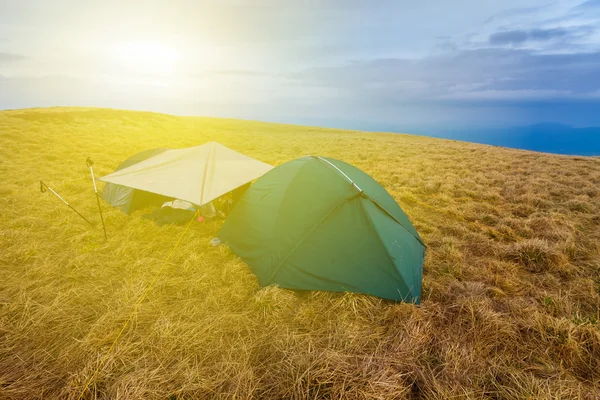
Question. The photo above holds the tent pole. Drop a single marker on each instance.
(43, 188)
(90, 164)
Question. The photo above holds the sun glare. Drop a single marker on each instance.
(146, 57)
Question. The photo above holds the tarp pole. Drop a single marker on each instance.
(90, 164)
(43, 188)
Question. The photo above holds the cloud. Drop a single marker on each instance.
(548, 34)
(485, 75)
(236, 72)
(7, 57)
(517, 12)
(511, 95)
(510, 37)
(588, 5)
(516, 37)
(332, 59)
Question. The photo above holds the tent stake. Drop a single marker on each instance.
(90, 164)
(43, 188)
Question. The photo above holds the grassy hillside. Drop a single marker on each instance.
(511, 288)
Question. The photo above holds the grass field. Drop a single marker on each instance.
(511, 287)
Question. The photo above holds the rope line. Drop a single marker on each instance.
(160, 270)
(135, 309)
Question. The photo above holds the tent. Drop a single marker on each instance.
(196, 174)
(316, 223)
(128, 199)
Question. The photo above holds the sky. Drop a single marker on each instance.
(380, 65)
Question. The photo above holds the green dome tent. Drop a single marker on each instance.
(128, 199)
(316, 223)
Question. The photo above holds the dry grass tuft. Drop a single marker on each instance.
(511, 287)
(536, 255)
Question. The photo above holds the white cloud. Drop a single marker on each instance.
(338, 58)
(519, 95)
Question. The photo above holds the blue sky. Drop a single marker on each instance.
(397, 65)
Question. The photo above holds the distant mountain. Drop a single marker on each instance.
(545, 137)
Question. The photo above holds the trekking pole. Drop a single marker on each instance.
(43, 188)
(90, 163)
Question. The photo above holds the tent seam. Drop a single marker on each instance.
(208, 158)
(395, 219)
(310, 231)
(370, 198)
(410, 288)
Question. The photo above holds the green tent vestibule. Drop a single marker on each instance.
(128, 199)
(316, 223)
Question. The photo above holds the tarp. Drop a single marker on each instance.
(317, 223)
(197, 174)
(128, 199)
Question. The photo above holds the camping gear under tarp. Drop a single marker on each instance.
(316, 223)
(176, 212)
(196, 174)
(128, 199)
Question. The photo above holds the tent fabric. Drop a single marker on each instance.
(317, 223)
(128, 199)
(197, 174)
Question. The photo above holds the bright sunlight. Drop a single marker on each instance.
(146, 57)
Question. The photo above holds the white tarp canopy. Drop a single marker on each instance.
(196, 174)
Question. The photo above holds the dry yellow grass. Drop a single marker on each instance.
(511, 290)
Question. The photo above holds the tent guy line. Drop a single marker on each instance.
(90, 164)
(43, 188)
(314, 223)
(138, 303)
(300, 225)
